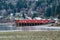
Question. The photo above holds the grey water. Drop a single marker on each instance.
(4, 27)
(41, 27)
(27, 28)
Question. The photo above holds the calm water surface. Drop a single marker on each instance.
(3, 27)
(41, 27)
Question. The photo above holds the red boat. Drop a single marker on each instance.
(31, 22)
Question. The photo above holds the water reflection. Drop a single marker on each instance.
(27, 28)
(4, 27)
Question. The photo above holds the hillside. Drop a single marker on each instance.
(45, 8)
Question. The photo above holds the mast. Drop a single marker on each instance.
(57, 4)
(32, 6)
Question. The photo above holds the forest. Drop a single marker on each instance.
(47, 8)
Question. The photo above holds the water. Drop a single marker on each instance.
(27, 28)
(41, 27)
(4, 27)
